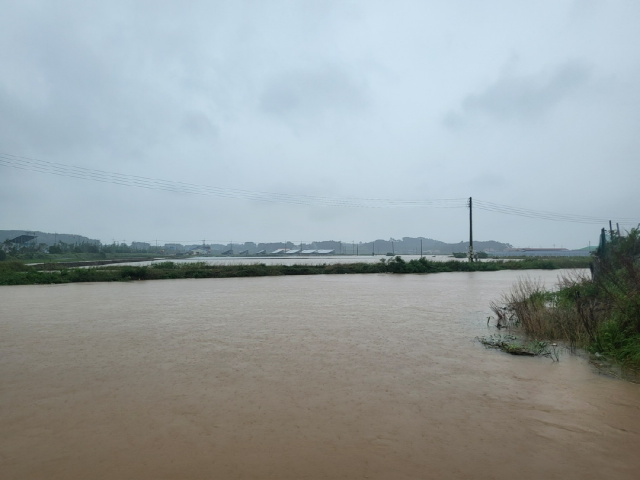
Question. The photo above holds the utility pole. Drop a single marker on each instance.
(420, 248)
(470, 229)
(618, 227)
(610, 231)
(393, 250)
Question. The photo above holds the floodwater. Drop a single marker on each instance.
(300, 260)
(337, 376)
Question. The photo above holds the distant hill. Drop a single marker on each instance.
(48, 238)
(406, 246)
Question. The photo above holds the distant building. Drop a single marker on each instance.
(140, 246)
(536, 249)
(203, 250)
(24, 240)
(541, 252)
(174, 247)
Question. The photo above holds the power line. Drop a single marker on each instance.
(134, 181)
(543, 215)
(59, 169)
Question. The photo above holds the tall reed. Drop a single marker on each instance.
(599, 313)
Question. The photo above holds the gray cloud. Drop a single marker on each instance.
(313, 92)
(198, 124)
(522, 97)
(336, 99)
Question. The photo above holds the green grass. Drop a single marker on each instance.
(599, 313)
(17, 273)
(622, 345)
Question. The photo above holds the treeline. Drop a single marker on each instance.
(598, 312)
(16, 273)
(85, 250)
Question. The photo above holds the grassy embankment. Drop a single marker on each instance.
(16, 273)
(599, 314)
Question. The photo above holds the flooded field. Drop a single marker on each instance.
(337, 376)
(299, 260)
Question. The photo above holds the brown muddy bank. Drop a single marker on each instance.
(344, 376)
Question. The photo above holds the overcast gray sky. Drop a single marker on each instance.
(527, 104)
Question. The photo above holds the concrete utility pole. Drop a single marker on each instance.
(470, 229)
(420, 248)
(610, 231)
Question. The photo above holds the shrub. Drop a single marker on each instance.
(601, 313)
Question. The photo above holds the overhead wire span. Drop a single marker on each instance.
(543, 215)
(84, 173)
(136, 181)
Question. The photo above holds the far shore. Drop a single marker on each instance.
(17, 273)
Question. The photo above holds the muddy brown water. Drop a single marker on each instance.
(340, 376)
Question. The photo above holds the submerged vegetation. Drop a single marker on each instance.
(513, 345)
(17, 273)
(599, 312)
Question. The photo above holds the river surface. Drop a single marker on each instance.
(336, 376)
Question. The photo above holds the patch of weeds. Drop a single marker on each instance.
(512, 345)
